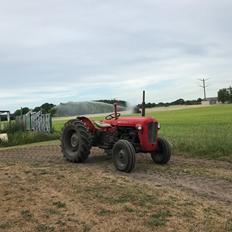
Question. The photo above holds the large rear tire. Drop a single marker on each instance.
(162, 153)
(124, 156)
(75, 141)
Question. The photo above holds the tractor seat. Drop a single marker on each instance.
(102, 124)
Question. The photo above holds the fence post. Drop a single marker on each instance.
(8, 116)
(30, 122)
(50, 119)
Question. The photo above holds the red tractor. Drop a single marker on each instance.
(121, 137)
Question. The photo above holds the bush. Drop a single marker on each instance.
(12, 127)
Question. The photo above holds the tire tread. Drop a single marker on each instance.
(85, 146)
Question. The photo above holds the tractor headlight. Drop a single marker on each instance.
(158, 126)
(139, 127)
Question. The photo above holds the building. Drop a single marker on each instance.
(5, 114)
(210, 101)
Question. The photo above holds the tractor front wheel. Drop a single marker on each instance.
(75, 141)
(162, 153)
(124, 156)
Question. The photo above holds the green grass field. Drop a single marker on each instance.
(202, 132)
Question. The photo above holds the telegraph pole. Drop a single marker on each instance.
(204, 86)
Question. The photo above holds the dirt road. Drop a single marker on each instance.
(191, 187)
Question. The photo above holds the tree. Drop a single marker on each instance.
(224, 95)
(37, 109)
(230, 93)
(46, 108)
(178, 102)
(53, 111)
(21, 111)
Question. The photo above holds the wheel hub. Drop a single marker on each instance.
(122, 156)
(74, 140)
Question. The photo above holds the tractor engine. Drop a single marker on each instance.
(106, 140)
(130, 134)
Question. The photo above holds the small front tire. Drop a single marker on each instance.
(124, 156)
(162, 153)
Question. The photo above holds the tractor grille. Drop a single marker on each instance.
(152, 127)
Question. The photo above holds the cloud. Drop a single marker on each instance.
(61, 51)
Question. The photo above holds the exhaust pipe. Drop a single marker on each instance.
(143, 104)
(116, 110)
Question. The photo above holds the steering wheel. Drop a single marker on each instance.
(111, 116)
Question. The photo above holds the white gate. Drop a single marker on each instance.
(36, 121)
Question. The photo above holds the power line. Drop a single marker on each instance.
(204, 86)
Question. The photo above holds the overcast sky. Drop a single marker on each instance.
(74, 50)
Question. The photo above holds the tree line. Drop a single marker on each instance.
(46, 108)
(224, 95)
(180, 101)
(49, 108)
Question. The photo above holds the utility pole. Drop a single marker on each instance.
(204, 86)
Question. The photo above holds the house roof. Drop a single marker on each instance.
(211, 98)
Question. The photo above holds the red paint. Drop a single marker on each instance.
(127, 122)
(133, 122)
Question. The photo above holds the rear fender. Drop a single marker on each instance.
(88, 123)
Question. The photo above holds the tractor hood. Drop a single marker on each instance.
(130, 121)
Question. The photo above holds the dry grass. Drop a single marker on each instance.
(60, 196)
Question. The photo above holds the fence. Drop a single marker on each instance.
(36, 121)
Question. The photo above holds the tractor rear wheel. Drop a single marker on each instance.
(124, 156)
(75, 141)
(162, 154)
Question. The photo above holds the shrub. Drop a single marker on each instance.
(13, 127)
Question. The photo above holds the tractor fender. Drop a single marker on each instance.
(88, 123)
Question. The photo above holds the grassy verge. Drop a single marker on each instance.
(27, 137)
(17, 135)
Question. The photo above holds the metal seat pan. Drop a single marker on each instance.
(102, 124)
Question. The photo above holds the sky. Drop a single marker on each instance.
(77, 50)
